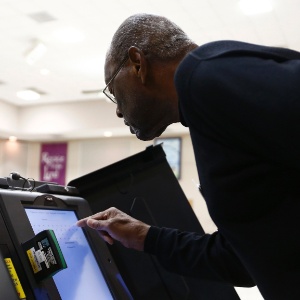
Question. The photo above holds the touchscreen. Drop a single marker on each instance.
(83, 278)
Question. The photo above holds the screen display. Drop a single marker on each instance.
(83, 278)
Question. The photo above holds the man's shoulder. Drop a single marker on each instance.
(212, 49)
(231, 48)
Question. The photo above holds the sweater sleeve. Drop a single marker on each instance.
(209, 257)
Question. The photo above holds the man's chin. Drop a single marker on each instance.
(143, 137)
(147, 137)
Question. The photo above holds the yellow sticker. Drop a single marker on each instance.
(36, 266)
(15, 278)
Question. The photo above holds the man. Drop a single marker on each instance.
(241, 103)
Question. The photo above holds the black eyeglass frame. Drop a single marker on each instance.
(111, 97)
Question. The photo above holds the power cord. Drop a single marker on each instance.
(17, 176)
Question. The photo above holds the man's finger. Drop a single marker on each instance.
(82, 222)
(95, 224)
(98, 216)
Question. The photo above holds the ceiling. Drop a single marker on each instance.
(75, 68)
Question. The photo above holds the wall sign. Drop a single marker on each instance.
(53, 162)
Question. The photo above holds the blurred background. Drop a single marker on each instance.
(52, 55)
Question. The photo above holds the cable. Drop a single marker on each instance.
(30, 188)
(17, 176)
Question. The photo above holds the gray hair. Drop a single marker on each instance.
(154, 35)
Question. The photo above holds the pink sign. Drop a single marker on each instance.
(53, 162)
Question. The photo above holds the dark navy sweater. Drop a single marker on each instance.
(241, 103)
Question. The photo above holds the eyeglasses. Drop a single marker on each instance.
(106, 91)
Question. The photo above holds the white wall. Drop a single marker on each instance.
(13, 158)
(63, 118)
(8, 117)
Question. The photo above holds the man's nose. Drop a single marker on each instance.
(119, 114)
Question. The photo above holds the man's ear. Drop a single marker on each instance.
(139, 62)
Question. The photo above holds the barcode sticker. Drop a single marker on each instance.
(40, 256)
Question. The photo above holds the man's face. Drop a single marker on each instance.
(140, 105)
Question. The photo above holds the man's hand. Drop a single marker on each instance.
(112, 224)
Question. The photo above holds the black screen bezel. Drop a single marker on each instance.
(13, 205)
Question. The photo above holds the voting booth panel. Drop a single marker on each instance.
(145, 187)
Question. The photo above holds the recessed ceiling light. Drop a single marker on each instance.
(36, 52)
(253, 7)
(28, 95)
(69, 35)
